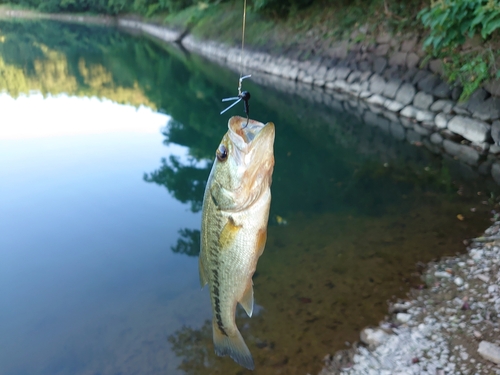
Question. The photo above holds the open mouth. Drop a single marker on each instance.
(247, 132)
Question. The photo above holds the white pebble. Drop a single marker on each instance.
(403, 317)
(442, 274)
(483, 278)
(489, 351)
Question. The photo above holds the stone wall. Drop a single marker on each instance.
(374, 131)
(381, 83)
(162, 33)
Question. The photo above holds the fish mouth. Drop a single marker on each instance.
(245, 135)
(252, 155)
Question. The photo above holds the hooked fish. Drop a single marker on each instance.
(234, 228)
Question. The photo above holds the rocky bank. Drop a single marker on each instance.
(452, 326)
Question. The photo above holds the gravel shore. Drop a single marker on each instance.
(450, 326)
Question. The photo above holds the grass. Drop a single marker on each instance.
(320, 24)
(223, 23)
(313, 30)
(8, 6)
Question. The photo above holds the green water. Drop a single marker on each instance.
(106, 141)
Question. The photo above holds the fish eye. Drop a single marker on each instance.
(221, 153)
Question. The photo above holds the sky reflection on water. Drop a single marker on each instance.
(86, 271)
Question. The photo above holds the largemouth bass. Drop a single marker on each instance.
(234, 228)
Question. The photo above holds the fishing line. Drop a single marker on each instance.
(242, 44)
(242, 95)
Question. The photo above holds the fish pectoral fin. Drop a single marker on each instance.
(222, 198)
(246, 300)
(234, 346)
(228, 234)
(261, 241)
(203, 277)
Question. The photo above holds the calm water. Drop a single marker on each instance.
(106, 141)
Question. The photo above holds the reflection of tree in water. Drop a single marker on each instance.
(185, 182)
(194, 347)
(188, 243)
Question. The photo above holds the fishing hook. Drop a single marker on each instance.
(242, 95)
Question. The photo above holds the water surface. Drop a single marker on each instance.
(106, 141)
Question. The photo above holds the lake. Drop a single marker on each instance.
(106, 141)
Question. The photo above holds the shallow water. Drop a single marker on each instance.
(100, 213)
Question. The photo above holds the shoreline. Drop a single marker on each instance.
(451, 326)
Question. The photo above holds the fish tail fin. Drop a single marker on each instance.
(234, 346)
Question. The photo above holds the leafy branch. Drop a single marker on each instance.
(450, 23)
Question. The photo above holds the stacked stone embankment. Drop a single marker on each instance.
(382, 83)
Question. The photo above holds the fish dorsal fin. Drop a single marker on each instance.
(203, 277)
(246, 300)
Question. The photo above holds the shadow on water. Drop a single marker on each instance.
(353, 212)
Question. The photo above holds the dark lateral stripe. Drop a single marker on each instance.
(216, 296)
(219, 324)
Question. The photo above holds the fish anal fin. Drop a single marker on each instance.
(234, 346)
(246, 300)
(228, 234)
(203, 277)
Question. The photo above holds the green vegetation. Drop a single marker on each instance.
(471, 69)
(149, 7)
(450, 23)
